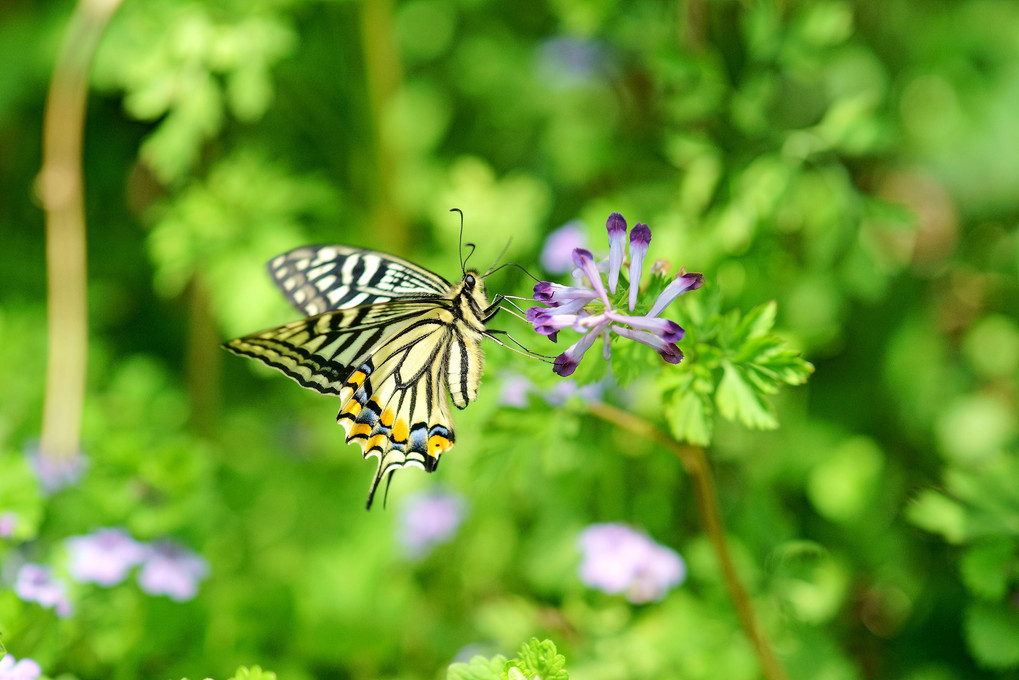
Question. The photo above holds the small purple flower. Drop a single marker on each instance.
(103, 557)
(35, 583)
(514, 391)
(429, 519)
(588, 309)
(8, 520)
(56, 472)
(557, 253)
(172, 570)
(618, 559)
(566, 62)
(566, 389)
(12, 669)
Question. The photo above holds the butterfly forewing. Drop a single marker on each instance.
(317, 279)
(392, 362)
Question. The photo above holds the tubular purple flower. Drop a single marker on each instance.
(681, 284)
(585, 262)
(35, 583)
(666, 329)
(667, 350)
(555, 294)
(640, 239)
(103, 557)
(566, 363)
(616, 226)
(587, 309)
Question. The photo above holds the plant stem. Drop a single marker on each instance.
(696, 465)
(61, 192)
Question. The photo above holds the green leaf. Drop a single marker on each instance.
(737, 399)
(539, 659)
(690, 417)
(757, 322)
(253, 673)
(939, 514)
(992, 634)
(987, 567)
(478, 668)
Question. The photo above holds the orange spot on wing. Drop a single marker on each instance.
(352, 408)
(400, 431)
(378, 441)
(437, 444)
(387, 418)
(359, 430)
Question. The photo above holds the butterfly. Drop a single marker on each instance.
(394, 341)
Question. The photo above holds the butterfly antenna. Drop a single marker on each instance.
(513, 264)
(460, 248)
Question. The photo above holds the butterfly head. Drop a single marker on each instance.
(472, 287)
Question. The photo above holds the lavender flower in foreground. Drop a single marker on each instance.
(12, 669)
(172, 570)
(618, 559)
(590, 308)
(35, 583)
(103, 557)
(429, 519)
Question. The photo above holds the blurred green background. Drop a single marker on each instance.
(854, 161)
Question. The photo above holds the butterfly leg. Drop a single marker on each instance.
(491, 333)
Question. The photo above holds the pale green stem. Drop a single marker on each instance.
(61, 191)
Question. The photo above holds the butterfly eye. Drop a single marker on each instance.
(470, 280)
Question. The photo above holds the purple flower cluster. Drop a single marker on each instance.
(429, 519)
(106, 556)
(12, 669)
(618, 559)
(588, 308)
(35, 583)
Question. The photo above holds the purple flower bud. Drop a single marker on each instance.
(667, 350)
(667, 330)
(428, 519)
(35, 583)
(640, 239)
(172, 570)
(616, 226)
(585, 262)
(12, 669)
(681, 284)
(566, 363)
(103, 557)
(558, 249)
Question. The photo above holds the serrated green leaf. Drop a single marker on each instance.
(540, 659)
(478, 668)
(690, 417)
(253, 673)
(987, 567)
(737, 399)
(992, 634)
(757, 322)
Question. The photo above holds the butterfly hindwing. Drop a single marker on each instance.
(317, 279)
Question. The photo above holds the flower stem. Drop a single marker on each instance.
(696, 465)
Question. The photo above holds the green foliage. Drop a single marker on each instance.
(738, 363)
(537, 660)
(840, 172)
